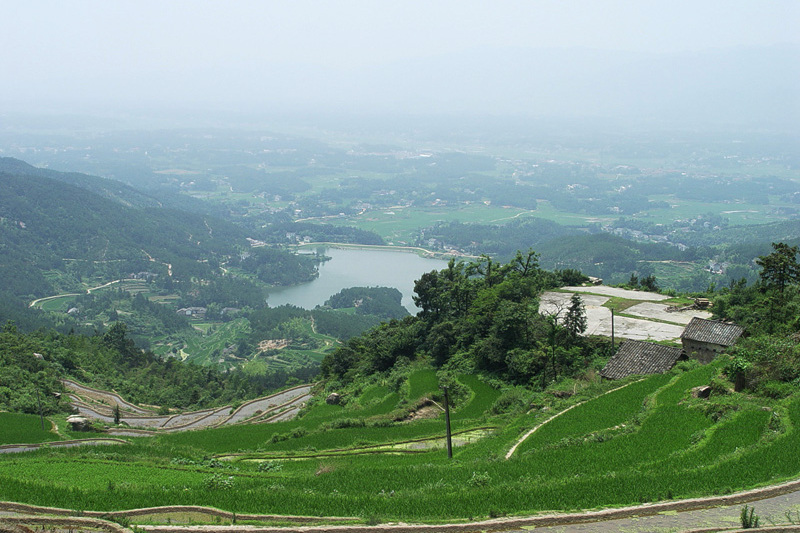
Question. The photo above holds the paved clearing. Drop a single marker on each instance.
(660, 326)
(659, 312)
(620, 293)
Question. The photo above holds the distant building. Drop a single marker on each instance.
(704, 339)
(640, 357)
(147, 276)
(196, 312)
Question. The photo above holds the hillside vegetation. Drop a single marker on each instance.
(376, 452)
(630, 442)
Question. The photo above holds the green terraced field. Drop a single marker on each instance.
(643, 442)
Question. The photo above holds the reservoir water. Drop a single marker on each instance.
(350, 267)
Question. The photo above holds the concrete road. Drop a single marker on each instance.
(660, 326)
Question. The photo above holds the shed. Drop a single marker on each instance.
(640, 357)
(704, 339)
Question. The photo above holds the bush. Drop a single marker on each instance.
(269, 466)
(749, 520)
(719, 387)
(512, 400)
(343, 423)
(294, 434)
(688, 364)
(479, 479)
(218, 482)
(777, 389)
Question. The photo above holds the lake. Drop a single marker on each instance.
(351, 267)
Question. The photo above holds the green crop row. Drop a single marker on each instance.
(674, 392)
(19, 428)
(483, 397)
(616, 449)
(606, 411)
(421, 383)
(373, 393)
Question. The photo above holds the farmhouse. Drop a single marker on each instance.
(704, 339)
(640, 357)
(197, 312)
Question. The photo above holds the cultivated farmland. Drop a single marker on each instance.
(641, 440)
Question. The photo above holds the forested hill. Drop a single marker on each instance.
(115, 190)
(110, 189)
(48, 225)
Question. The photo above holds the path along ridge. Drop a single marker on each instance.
(499, 524)
(536, 428)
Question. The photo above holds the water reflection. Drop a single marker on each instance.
(358, 268)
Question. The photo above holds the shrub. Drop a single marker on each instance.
(343, 423)
(512, 400)
(218, 482)
(294, 434)
(719, 387)
(777, 389)
(479, 479)
(269, 466)
(688, 364)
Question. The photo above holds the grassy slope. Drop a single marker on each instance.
(19, 428)
(644, 442)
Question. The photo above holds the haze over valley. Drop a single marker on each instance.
(252, 253)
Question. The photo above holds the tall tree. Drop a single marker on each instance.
(575, 319)
(780, 268)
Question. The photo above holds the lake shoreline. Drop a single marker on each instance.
(359, 266)
(421, 252)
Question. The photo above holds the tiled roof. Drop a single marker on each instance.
(711, 331)
(639, 357)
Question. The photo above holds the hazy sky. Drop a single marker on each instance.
(234, 52)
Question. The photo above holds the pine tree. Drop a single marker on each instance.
(575, 320)
(780, 268)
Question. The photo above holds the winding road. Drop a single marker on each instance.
(279, 406)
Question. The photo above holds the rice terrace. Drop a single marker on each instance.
(617, 443)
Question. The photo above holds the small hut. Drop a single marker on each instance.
(640, 357)
(704, 339)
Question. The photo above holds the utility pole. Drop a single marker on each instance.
(39, 401)
(447, 422)
(612, 329)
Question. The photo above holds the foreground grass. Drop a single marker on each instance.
(18, 428)
(645, 442)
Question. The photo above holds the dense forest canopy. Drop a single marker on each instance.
(475, 316)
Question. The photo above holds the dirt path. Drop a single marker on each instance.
(88, 291)
(534, 429)
(19, 448)
(770, 510)
(46, 298)
(641, 519)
